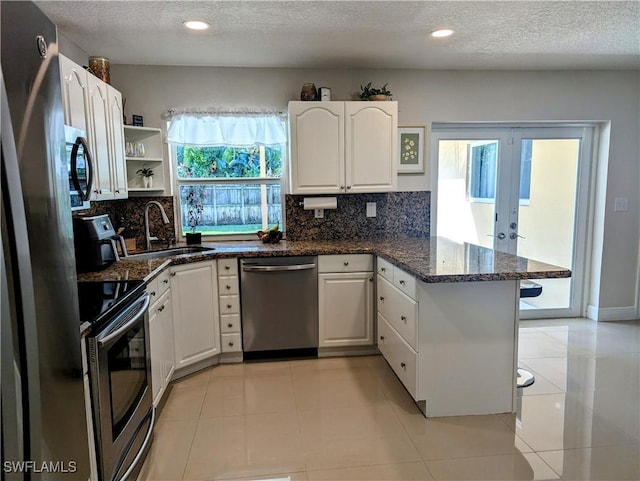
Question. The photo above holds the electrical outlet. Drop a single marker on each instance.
(371, 209)
(621, 204)
(318, 213)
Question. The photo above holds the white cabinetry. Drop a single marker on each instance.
(95, 107)
(161, 335)
(229, 300)
(343, 147)
(151, 141)
(345, 294)
(194, 294)
(451, 344)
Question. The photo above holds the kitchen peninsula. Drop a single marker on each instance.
(447, 313)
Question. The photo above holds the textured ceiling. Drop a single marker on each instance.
(359, 34)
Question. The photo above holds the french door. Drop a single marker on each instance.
(521, 190)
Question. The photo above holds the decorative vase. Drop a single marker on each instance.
(308, 92)
(193, 238)
(378, 98)
(99, 66)
(148, 182)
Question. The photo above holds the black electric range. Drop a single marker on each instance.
(101, 301)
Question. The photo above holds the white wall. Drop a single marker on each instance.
(447, 96)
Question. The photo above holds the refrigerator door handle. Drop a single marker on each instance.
(88, 161)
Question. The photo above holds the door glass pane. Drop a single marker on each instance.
(467, 190)
(547, 206)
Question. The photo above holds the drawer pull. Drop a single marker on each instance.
(346, 263)
(161, 308)
(227, 268)
(382, 298)
(229, 325)
(153, 293)
(403, 365)
(173, 274)
(228, 287)
(370, 279)
(401, 282)
(382, 338)
(383, 269)
(403, 318)
(231, 344)
(165, 281)
(229, 306)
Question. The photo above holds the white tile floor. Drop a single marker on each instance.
(350, 419)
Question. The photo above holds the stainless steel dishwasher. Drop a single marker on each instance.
(279, 306)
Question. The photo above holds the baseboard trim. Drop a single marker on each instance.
(628, 313)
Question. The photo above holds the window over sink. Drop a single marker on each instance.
(229, 170)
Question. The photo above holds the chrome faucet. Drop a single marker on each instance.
(165, 220)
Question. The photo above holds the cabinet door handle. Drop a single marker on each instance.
(346, 263)
(117, 191)
(229, 325)
(401, 282)
(161, 308)
(370, 279)
(165, 281)
(231, 344)
(153, 293)
(403, 318)
(383, 269)
(403, 365)
(382, 338)
(348, 187)
(342, 187)
(228, 286)
(173, 274)
(228, 306)
(227, 268)
(382, 298)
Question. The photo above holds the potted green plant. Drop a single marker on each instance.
(195, 206)
(147, 176)
(368, 92)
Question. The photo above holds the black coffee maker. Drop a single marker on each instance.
(96, 243)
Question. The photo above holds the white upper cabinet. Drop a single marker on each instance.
(96, 107)
(343, 147)
(74, 93)
(371, 146)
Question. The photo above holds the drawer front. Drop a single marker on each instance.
(228, 267)
(405, 282)
(152, 289)
(399, 355)
(399, 310)
(385, 269)
(161, 304)
(228, 285)
(230, 323)
(164, 281)
(345, 263)
(231, 342)
(229, 305)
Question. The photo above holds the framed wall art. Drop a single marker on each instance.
(411, 149)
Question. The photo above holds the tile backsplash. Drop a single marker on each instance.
(404, 214)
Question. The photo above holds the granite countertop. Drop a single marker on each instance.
(431, 260)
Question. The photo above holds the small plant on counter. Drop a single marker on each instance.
(381, 93)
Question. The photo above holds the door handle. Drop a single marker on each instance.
(501, 235)
(513, 235)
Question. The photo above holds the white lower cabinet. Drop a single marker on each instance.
(400, 355)
(160, 335)
(194, 295)
(345, 301)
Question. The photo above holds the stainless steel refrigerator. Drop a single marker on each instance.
(44, 430)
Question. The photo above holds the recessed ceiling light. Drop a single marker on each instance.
(196, 24)
(442, 32)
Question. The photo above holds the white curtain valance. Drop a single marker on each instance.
(237, 129)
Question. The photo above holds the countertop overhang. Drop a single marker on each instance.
(432, 260)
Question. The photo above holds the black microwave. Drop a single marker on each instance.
(79, 166)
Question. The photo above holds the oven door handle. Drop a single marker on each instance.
(143, 448)
(127, 325)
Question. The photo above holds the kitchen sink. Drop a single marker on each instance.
(173, 251)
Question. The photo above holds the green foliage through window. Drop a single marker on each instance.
(227, 162)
